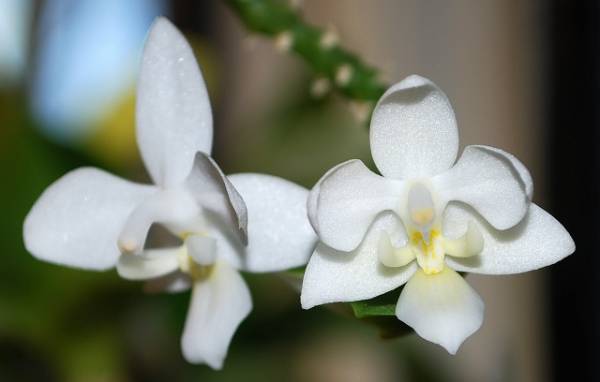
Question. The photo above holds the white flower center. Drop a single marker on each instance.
(426, 244)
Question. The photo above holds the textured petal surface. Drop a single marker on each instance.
(441, 308)
(218, 197)
(333, 276)
(413, 130)
(77, 220)
(522, 171)
(152, 263)
(538, 241)
(173, 113)
(349, 200)
(313, 197)
(219, 304)
(279, 234)
(489, 182)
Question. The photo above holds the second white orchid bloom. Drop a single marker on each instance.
(257, 223)
(425, 218)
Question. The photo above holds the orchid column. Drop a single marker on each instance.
(251, 222)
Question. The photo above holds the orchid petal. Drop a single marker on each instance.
(174, 118)
(441, 308)
(279, 236)
(150, 264)
(413, 130)
(215, 193)
(333, 276)
(349, 200)
(77, 219)
(522, 171)
(313, 197)
(219, 304)
(489, 182)
(537, 241)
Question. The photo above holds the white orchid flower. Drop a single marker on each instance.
(91, 219)
(425, 218)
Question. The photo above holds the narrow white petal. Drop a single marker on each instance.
(538, 241)
(279, 234)
(349, 200)
(217, 196)
(150, 264)
(173, 114)
(413, 130)
(218, 305)
(170, 207)
(76, 221)
(333, 276)
(313, 196)
(489, 182)
(441, 308)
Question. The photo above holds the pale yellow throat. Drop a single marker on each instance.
(426, 244)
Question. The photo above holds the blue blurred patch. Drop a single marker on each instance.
(87, 59)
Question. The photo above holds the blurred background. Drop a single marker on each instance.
(522, 76)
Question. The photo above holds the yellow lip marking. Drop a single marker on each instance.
(430, 253)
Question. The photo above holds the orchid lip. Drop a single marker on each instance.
(426, 244)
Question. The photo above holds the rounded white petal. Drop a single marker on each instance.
(173, 114)
(349, 200)
(217, 196)
(219, 304)
(489, 182)
(413, 130)
(148, 265)
(538, 241)
(441, 308)
(522, 171)
(313, 196)
(279, 234)
(333, 276)
(77, 220)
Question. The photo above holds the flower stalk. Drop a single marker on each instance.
(348, 74)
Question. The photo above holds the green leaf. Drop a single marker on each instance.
(296, 272)
(381, 312)
(384, 305)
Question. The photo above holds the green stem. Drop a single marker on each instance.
(273, 18)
